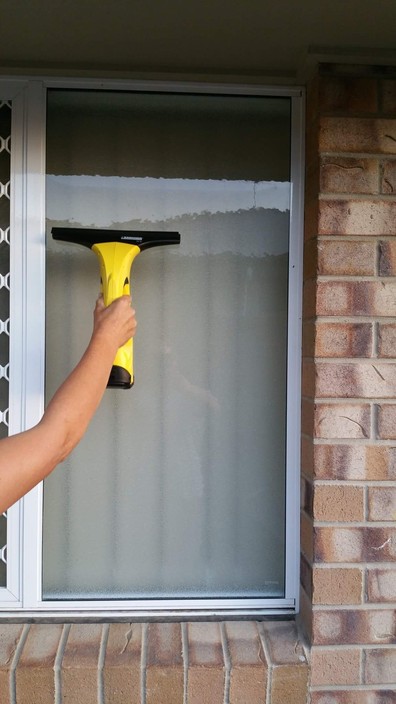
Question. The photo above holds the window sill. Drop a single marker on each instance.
(175, 663)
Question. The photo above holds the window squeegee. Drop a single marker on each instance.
(116, 250)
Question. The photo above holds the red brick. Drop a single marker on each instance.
(347, 544)
(387, 340)
(388, 176)
(355, 696)
(357, 217)
(354, 627)
(338, 503)
(343, 340)
(289, 666)
(80, 664)
(306, 537)
(164, 672)
(344, 258)
(10, 635)
(342, 421)
(370, 463)
(337, 585)
(206, 673)
(35, 679)
(344, 298)
(381, 584)
(121, 672)
(388, 87)
(349, 175)
(355, 380)
(348, 94)
(387, 258)
(380, 666)
(335, 666)
(357, 135)
(382, 503)
(387, 421)
(248, 664)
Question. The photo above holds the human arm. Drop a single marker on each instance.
(28, 457)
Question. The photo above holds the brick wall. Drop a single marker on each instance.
(349, 386)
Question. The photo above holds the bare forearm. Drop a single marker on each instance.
(27, 458)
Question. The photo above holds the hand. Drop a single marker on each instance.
(117, 321)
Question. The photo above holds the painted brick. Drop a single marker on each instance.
(35, 679)
(343, 340)
(387, 340)
(370, 463)
(387, 258)
(344, 258)
(355, 696)
(357, 217)
(164, 672)
(342, 421)
(10, 635)
(349, 627)
(355, 544)
(381, 584)
(206, 674)
(337, 585)
(380, 666)
(357, 135)
(388, 176)
(79, 675)
(348, 94)
(249, 668)
(338, 503)
(121, 671)
(355, 380)
(387, 421)
(388, 87)
(382, 503)
(289, 665)
(335, 667)
(340, 174)
(356, 298)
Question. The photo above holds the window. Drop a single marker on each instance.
(183, 493)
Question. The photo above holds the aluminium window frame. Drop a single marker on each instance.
(23, 596)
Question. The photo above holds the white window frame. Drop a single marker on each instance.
(23, 594)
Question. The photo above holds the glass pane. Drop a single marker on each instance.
(5, 147)
(177, 489)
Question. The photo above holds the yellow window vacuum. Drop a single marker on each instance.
(116, 250)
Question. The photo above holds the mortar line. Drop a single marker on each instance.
(101, 661)
(143, 664)
(184, 636)
(227, 664)
(58, 663)
(268, 659)
(14, 663)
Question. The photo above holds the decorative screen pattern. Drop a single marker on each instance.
(5, 148)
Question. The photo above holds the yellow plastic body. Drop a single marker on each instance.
(116, 259)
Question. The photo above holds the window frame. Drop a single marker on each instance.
(23, 594)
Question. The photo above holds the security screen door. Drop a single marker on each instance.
(178, 488)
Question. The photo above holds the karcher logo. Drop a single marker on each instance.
(132, 239)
